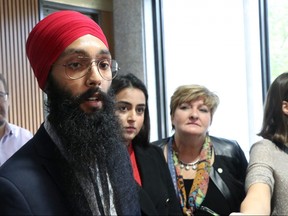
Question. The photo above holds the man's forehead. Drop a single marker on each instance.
(72, 51)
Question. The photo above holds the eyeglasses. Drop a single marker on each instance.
(3, 96)
(79, 66)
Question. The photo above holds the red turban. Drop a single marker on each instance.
(50, 37)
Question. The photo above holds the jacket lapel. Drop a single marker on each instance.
(61, 173)
(144, 164)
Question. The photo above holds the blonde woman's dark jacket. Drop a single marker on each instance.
(228, 171)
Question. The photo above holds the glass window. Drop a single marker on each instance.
(278, 36)
(216, 44)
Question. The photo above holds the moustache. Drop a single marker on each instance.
(89, 93)
(77, 100)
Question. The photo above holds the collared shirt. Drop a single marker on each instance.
(13, 139)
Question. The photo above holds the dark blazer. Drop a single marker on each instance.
(30, 181)
(232, 164)
(157, 195)
(35, 181)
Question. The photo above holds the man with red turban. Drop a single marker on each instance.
(75, 164)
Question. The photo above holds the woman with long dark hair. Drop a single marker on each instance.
(267, 177)
(157, 195)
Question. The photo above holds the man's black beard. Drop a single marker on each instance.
(84, 136)
(92, 138)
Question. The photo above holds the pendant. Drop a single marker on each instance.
(181, 166)
(187, 167)
(194, 166)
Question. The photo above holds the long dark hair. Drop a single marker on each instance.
(275, 122)
(131, 81)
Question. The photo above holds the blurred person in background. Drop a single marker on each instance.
(12, 137)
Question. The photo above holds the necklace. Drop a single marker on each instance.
(187, 166)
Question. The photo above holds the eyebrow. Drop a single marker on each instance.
(123, 102)
(127, 103)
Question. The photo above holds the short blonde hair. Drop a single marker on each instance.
(188, 93)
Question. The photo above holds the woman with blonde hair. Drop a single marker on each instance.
(208, 172)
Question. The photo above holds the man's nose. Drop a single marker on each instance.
(94, 77)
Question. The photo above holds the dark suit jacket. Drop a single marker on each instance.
(36, 180)
(157, 195)
(31, 180)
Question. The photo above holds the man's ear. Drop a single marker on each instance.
(285, 107)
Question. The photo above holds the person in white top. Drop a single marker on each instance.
(12, 137)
